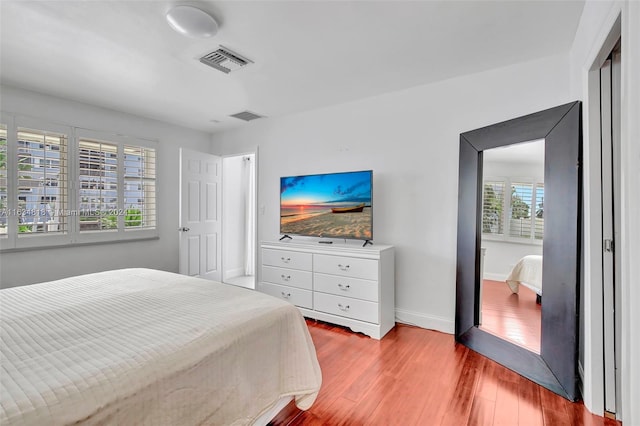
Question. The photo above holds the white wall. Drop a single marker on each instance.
(514, 170)
(501, 257)
(410, 139)
(598, 20)
(233, 219)
(26, 267)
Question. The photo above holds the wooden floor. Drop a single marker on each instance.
(420, 377)
(514, 317)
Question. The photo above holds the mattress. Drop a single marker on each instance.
(528, 272)
(138, 346)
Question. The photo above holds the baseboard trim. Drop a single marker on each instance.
(494, 277)
(234, 272)
(425, 321)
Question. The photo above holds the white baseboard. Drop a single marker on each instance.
(234, 272)
(425, 321)
(494, 277)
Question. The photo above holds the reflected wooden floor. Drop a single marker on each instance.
(421, 377)
(514, 317)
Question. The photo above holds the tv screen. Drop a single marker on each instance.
(332, 205)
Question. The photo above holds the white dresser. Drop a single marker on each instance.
(342, 284)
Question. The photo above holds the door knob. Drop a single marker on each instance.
(183, 229)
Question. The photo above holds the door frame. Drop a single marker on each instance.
(253, 152)
(591, 367)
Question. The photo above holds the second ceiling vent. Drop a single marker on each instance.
(246, 116)
(225, 60)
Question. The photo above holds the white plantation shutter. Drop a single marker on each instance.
(98, 185)
(42, 182)
(139, 187)
(520, 208)
(513, 210)
(492, 208)
(539, 212)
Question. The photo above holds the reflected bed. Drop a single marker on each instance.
(528, 272)
(138, 346)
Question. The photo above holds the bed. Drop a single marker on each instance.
(139, 346)
(528, 272)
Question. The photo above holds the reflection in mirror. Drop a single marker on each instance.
(512, 231)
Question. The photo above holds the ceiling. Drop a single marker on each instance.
(307, 54)
(530, 152)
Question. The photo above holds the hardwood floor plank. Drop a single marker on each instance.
(488, 383)
(529, 405)
(553, 408)
(507, 375)
(421, 377)
(507, 403)
(482, 412)
(341, 413)
(307, 419)
(364, 381)
(368, 404)
(460, 404)
(402, 404)
(443, 379)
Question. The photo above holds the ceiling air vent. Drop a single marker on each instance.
(246, 116)
(225, 60)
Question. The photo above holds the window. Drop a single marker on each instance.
(60, 185)
(103, 206)
(492, 208)
(517, 217)
(42, 182)
(140, 187)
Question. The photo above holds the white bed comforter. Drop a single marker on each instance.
(528, 272)
(139, 346)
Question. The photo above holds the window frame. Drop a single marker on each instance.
(73, 235)
(120, 233)
(505, 237)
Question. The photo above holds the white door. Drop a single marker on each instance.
(200, 196)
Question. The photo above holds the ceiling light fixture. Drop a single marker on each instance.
(192, 22)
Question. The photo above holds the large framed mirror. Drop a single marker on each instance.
(537, 216)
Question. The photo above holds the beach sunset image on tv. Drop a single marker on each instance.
(335, 205)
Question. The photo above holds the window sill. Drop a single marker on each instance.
(78, 244)
(518, 241)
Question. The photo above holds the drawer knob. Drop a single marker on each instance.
(286, 259)
(343, 267)
(286, 295)
(343, 307)
(285, 277)
(344, 287)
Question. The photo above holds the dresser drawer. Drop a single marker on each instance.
(346, 307)
(345, 286)
(287, 259)
(297, 296)
(288, 277)
(346, 266)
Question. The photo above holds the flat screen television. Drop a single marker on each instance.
(331, 205)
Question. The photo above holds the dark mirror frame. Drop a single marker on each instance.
(556, 368)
